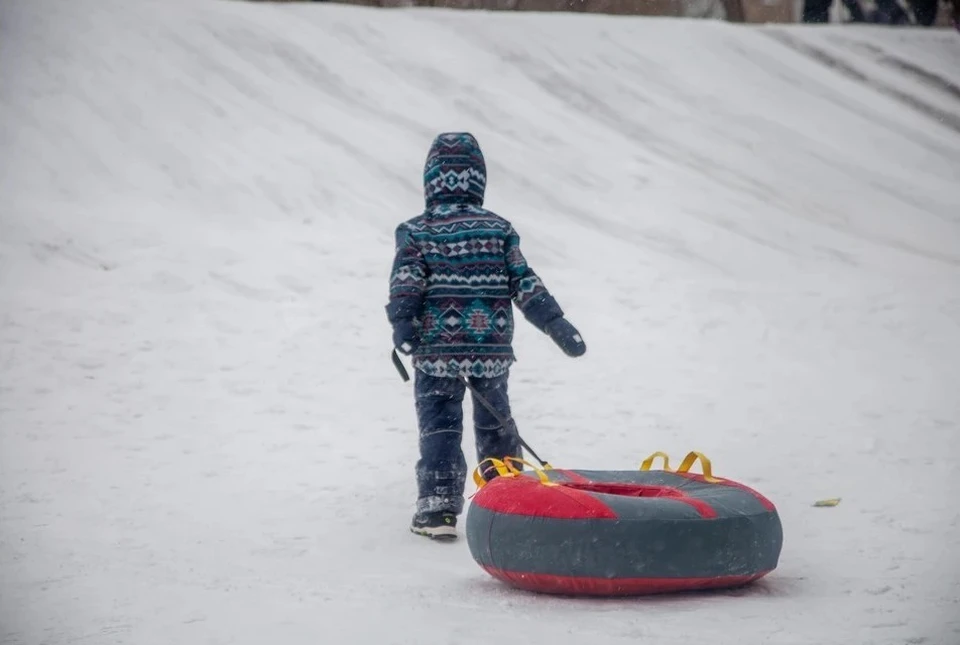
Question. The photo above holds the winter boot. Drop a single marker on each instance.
(436, 526)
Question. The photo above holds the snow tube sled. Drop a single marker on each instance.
(619, 533)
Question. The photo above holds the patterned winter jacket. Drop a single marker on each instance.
(458, 269)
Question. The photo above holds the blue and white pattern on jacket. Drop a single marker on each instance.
(458, 270)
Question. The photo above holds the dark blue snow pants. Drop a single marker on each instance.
(442, 470)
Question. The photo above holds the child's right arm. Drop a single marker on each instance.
(535, 301)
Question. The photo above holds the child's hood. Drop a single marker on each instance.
(455, 171)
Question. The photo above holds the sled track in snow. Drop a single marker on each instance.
(950, 120)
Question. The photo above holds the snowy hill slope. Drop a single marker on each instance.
(202, 440)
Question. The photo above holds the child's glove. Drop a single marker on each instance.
(405, 337)
(566, 336)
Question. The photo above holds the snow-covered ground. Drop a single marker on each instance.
(202, 440)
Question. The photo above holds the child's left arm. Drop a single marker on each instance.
(408, 281)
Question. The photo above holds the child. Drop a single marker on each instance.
(456, 273)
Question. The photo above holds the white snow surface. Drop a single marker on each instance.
(202, 439)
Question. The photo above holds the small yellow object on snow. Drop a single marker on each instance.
(833, 501)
